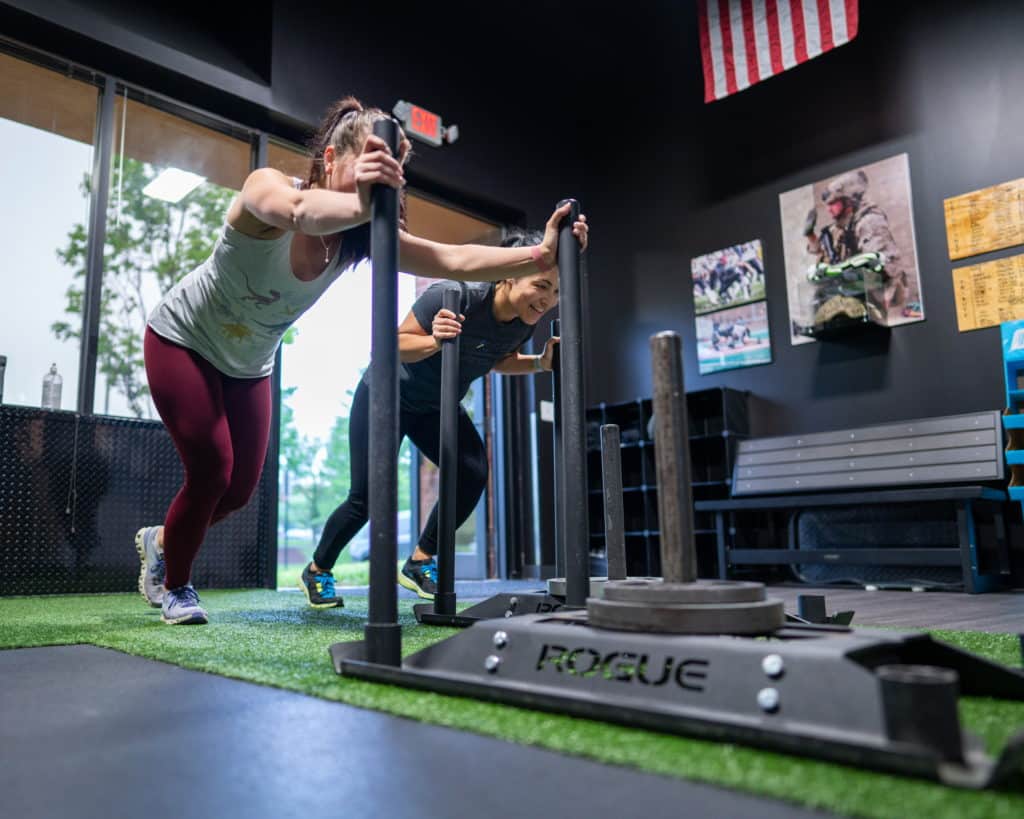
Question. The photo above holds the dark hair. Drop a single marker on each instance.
(345, 126)
(518, 237)
(521, 237)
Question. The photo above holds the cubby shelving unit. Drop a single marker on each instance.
(718, 419)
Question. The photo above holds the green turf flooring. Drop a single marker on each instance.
(273, 638)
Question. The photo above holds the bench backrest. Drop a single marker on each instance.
(949, 449)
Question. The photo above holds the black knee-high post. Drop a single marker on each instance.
(575, 530)
(383, 634)
(448, 464)
(556, 451)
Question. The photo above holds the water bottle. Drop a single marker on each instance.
(51, 388)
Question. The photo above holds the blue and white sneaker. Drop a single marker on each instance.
(181, 607)
(151, 578)
(420, 576)
(319, 589)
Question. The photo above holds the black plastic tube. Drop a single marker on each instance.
(556, 450)
(448, 462)
(383, 633)
(575, 522)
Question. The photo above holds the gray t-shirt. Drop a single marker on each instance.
(484, 342)
(234, 308)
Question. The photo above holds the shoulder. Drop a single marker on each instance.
(871, 216)
(270, 176)
(258, 184)
(434, 292)
(475, 294)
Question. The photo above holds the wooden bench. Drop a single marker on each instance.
(948, 459)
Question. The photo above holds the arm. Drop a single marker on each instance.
(271, 198)
(436, 260)
(416, 344)
(519, 364)
(873, 234)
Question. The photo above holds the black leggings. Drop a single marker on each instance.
(424, 430)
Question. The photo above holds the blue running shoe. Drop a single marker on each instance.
(151, 577)
(420, 576)
(319, 589)
(181, 607)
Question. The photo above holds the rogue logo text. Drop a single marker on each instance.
(624, 666)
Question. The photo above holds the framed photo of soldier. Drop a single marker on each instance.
(733, 338)
(850, 251)
(728, 277)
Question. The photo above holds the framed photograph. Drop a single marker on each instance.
(737, 337)
(728, 277)
(850, 238)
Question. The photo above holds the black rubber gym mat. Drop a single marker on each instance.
(90, 732)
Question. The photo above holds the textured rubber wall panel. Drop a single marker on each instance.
(74, 490)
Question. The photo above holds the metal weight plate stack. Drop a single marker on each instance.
(679, 603)
(700, 607)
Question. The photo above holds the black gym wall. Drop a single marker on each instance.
(941, 81)
(606, 102)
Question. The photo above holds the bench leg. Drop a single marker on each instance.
(974, 581)
(723, 564)
(1002, 544)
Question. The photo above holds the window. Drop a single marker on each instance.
(170, 186)
(46, 132)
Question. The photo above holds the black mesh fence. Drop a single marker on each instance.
(75, 489)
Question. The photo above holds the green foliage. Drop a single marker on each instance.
(150, 245)
(316, 474)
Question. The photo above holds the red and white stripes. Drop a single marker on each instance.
(745, 41)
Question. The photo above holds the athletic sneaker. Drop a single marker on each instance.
(420, 576)
(181, 607)
(319, 589)
(151, 577)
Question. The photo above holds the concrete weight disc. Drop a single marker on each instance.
(758, 617)
(657, 592)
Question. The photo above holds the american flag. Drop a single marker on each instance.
(746, 41)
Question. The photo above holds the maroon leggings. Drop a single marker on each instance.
(220, 426)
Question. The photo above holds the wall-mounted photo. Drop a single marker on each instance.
(737, 337)
(728, 277)
(850, 251)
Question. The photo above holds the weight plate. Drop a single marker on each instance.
(556, 585)
(759, 617)
(702, 591)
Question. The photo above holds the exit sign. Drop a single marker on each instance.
(423, 124)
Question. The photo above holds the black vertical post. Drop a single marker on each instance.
(444, 599)
(556, 451)
(614, 516)
(383, 634)
(575, 537)
(94, 250)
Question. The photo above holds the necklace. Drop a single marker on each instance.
(327, 255)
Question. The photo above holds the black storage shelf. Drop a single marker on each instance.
(718, 419)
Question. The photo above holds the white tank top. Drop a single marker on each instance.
(234, 308)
